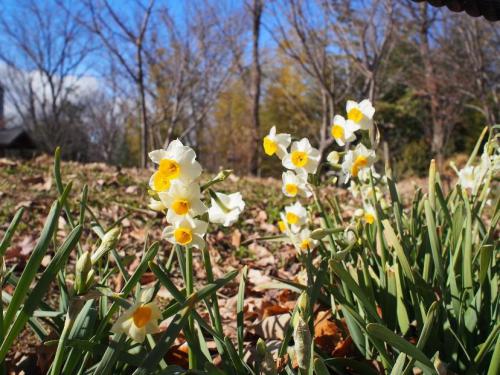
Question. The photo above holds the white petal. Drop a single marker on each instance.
(157, 155)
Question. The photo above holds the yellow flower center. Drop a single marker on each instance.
(291, 218)
(369, 218)
(161, 182)
(305, 244)
(299, 158)
(183, 236)
(170, 168)
(282, 226)
(355, 115)
(337, 132)
(142, 316)
(181, 206)
(360, 162)
(270, 146)
(291, 189)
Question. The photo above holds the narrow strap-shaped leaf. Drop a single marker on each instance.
(426, 332)
(10, 231)
(433, 238)
(401, 344)
(41, 287)
(354, 287)
(239, 310)
(34, 262)
(164, 343)
(393, 241)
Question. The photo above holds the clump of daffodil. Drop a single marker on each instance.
(139, 320)
(177, 191)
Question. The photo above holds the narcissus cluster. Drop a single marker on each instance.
(176, 191)
(301, 159)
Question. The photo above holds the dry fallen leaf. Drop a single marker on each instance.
(272, 327)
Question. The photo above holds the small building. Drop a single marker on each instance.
(16, 142)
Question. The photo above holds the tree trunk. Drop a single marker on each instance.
(438, 131)
(143, 109)
(256, 9)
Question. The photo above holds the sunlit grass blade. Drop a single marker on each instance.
(381, 332)
(31, 268)
(10, 231)
(41, 287)
(239, 309)
(166, 340)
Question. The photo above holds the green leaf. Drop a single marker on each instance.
(151, 361)
(351, 284)
(239, 310)
(393, 241)
(433, 238)
(41, 287)
(10, 231)
(381, 332)
(31, 267)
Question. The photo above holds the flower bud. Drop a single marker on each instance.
(302, 347)
(303, 305)
(109, 241)
(82, 271)
(265, 359)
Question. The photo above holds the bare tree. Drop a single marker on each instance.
(190, 65)
(44, 70)
(481, 44)
(366, 37)
(304, 34)
(125, 40)
(256, 9)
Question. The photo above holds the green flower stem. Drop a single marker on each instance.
(326, 220)
(215, 303)
(59, 357)
(189, 291)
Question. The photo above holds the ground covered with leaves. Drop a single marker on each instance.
(118, 194)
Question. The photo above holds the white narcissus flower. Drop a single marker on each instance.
(333, 158)
(369, 214)
(187, 232)
(140, 319)
(226, 208)
(357, 159)
(302, 157)
(467, 177)
(304, 241)
(295, 216)
(177, 162)
(156, 205)
(182, 200)
(276, 143)
(343, 131)
(360, 113)
(295, 184)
